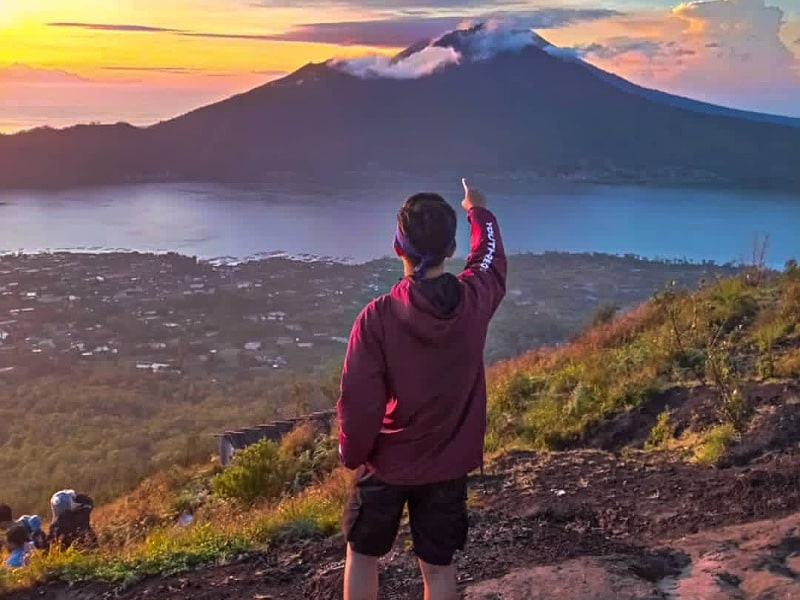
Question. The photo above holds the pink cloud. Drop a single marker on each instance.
(33, 97)
(724, 51)
(21, 74)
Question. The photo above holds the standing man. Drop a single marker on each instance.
(412, 409)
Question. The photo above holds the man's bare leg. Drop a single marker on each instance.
(440, 582)
(360, 576)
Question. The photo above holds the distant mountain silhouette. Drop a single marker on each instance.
(502, 108)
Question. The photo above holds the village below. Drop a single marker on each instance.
(175, 315)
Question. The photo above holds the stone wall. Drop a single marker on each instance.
(231, 441)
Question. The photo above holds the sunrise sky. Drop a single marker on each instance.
(69, 61)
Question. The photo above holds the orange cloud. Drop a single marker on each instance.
(32, 97)
(732, 52)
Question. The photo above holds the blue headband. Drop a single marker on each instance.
(425, 259)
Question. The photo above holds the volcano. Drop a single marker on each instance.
(499, 101)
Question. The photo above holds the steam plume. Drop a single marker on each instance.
(474, 41)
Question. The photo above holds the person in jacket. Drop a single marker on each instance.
(19, 546)
(33, 525)
(71, 525)
(412, 405)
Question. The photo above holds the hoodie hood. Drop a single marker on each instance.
(32, 522)
(429, 308)
(62, 502)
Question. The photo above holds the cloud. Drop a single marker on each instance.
(114, 27)
(268, 74)
(391, 33)
(167, 70)
(149, 29)
(419, 64)
(22, 74)
(33, 97)
(550, 18)
(613, 48)
(386, 4)
(229, 36)
(723, 51)
(739, 31)
(479, 41)
(401, 31)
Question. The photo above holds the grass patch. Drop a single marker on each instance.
(287, 490)
(662, 433)
(724, 334)
(224, 534)
(787, 365)
(717, 440)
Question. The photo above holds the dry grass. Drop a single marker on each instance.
(537, 401)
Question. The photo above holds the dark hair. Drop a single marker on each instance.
(84, 502)
(429, 223)
(5, 513)
(18, 536)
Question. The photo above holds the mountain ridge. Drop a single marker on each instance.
(508, 105)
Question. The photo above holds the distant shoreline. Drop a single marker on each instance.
(231, 261)
(531, 178)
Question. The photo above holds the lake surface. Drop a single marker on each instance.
(357, 224)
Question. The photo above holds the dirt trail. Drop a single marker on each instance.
(631, 534)
(573, 525)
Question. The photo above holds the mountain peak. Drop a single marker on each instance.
(468, 44)
(488, 97)
(480, 41)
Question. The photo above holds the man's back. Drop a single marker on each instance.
(412, 410)
(413, 403)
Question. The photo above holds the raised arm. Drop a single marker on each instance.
(486, 264)
(363, 392)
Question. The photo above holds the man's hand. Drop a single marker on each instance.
(472, 198)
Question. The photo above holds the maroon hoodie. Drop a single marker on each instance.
(413, 391)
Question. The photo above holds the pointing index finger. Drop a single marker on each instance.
(464, 183)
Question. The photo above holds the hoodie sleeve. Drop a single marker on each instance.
(363, 393)
(486, 266)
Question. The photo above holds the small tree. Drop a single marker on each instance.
(723, 373)
(258, 472)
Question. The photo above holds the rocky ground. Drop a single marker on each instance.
(593, 522)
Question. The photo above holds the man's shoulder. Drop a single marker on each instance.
(377, 306)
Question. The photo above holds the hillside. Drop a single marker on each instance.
(516, 109)
(109, 423)
(634, 461)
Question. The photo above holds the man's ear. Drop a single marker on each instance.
(398, 251)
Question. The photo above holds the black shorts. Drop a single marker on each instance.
(437, 512)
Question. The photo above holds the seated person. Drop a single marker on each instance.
(33, 524)
(71, 524)
(19, 546)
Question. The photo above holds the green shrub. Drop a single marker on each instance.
(716, 444)
(259, 471)
(730, 303)
(266, 470)
(662, 432)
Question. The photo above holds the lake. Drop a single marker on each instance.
(357, 223)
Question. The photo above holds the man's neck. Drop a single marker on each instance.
(432, 273)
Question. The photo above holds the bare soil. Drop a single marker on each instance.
(587, 523)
